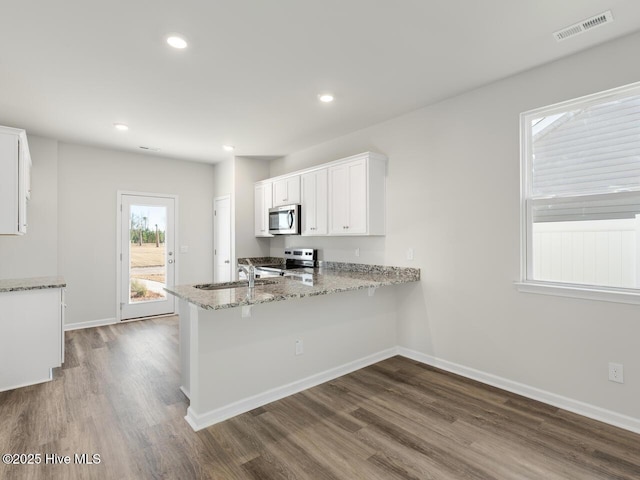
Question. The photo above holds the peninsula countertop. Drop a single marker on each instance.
(330, 277)
(33, 283)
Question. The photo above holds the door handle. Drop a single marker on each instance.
(171, 260)
(226, 261)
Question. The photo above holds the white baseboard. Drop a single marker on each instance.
(90, 324)
(185, 392)
(198, 421)
(575, 406)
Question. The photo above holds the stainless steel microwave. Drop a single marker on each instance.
(284, 220)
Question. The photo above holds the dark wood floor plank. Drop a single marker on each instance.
(391, 457)
(261, 468)
(118, 395)
(320, 452)
(447, 459)
(331, 445)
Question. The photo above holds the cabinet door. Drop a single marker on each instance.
(314, 203)
(357, 188)
(24, 183)
(262, 199)
(293, 190)
(286, 191)
(10, 223)
(259, 210)
(280, 193)
(338, 199)
(348, 198)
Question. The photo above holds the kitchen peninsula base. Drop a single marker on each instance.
(231, 364)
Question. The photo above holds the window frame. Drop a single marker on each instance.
(526, 282)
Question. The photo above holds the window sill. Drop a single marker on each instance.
(580, 291)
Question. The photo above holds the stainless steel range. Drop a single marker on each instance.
(300, 258)
(294, 259)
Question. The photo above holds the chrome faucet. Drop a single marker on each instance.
(250, 270)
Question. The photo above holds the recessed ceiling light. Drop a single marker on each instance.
(229, 148)
(326, 97)
(121, 126)
(177, 41)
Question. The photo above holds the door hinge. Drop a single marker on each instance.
(120, 257)
(121, 305)
(120, 207)
(215, 213)
(215, 252)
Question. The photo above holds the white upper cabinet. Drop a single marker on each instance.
(314, 202)
(263, 202)
(348, 198)
(15, 181)
(286, 191)
(343, 197)
(357, 196)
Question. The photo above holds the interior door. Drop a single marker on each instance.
(222, 239)
(148, 256)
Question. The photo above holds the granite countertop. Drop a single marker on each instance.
(331, 277)
(261, 261)
(34, 283)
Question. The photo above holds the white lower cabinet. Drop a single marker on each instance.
(314, 202)
(31, 336)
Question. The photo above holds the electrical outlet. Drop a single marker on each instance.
(299, 347)
(357, 252)
(616, 372)
(409, 253)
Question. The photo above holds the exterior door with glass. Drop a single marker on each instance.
(147, 255)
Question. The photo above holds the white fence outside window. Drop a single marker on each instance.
(594, 252)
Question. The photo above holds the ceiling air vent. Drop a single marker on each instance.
(581, 27)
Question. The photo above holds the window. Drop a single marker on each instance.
(581, 195)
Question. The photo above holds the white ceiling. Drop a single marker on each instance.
(254, 68)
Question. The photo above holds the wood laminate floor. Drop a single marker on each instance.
(117, 395)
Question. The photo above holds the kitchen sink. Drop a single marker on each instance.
(239, 284)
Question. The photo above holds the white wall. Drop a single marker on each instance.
(223, 178)
(36, 253)
(247, 172)
(453, 170)
(88, 181)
